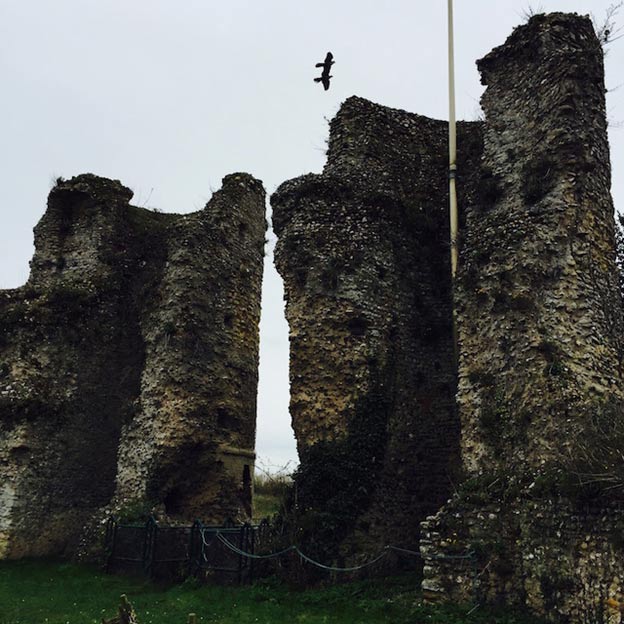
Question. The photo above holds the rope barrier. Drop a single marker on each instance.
(335, 569)
(304, 557)
(238, 551)
(468, 555)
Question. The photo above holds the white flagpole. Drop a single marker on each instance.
(452, 144)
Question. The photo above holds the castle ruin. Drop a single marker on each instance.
(129, 364)
(540, 352)
(363, 250)
(130, 357)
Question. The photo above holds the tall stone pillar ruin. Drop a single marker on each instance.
(537, 324)
(128, 366)
(363, 251)
(539, 338)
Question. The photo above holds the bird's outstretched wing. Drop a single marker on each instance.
(326, 65)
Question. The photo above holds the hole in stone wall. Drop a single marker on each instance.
(226, 420)
(301, 275)
(19, 452)
(173, 501)
(538, 178)
(330, 274)
(490, 190)
(357, 326)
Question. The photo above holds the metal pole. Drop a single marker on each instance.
(452, 144)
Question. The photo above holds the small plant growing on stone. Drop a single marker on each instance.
(169, 329)
(607, 30)
(552, 354)
(531, 11)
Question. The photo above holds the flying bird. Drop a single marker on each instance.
(326, 65)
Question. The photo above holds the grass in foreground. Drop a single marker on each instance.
(36, 592)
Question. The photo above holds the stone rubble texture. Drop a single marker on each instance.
(363, 252)
(539, 318)
(129, 363)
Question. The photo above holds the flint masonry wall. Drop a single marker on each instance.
(539, 318)
(129, 363)
(363, 252)
(538, 261)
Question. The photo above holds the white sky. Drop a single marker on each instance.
(170, 96)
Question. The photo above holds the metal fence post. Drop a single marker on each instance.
(241, 546)
(110, 539)
(195, 548)
(151, 528)
(252, 550)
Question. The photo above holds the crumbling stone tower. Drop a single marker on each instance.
(129, 363)
(536, 323)
(539, 324)
(363, 252)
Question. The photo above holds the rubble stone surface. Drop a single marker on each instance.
(363, 251)
(540, 357)
(129, 364)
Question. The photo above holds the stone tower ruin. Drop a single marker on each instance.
(129, 363)
(362, 249)
(363, 252)
(129, 359)
(540, 357)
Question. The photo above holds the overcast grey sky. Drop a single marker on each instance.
(170, 96)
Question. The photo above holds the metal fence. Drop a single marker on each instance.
(175, 552)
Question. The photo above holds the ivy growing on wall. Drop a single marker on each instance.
(336, 479)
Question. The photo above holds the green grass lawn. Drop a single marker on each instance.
(36, 592)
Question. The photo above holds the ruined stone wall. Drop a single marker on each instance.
(129, 363)
(546, 553)
(535, 327)
(363, 251)
(539, 323)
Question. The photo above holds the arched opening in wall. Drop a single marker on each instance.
(275, 440)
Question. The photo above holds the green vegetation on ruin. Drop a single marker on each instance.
(270, 493)
(37, 592)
